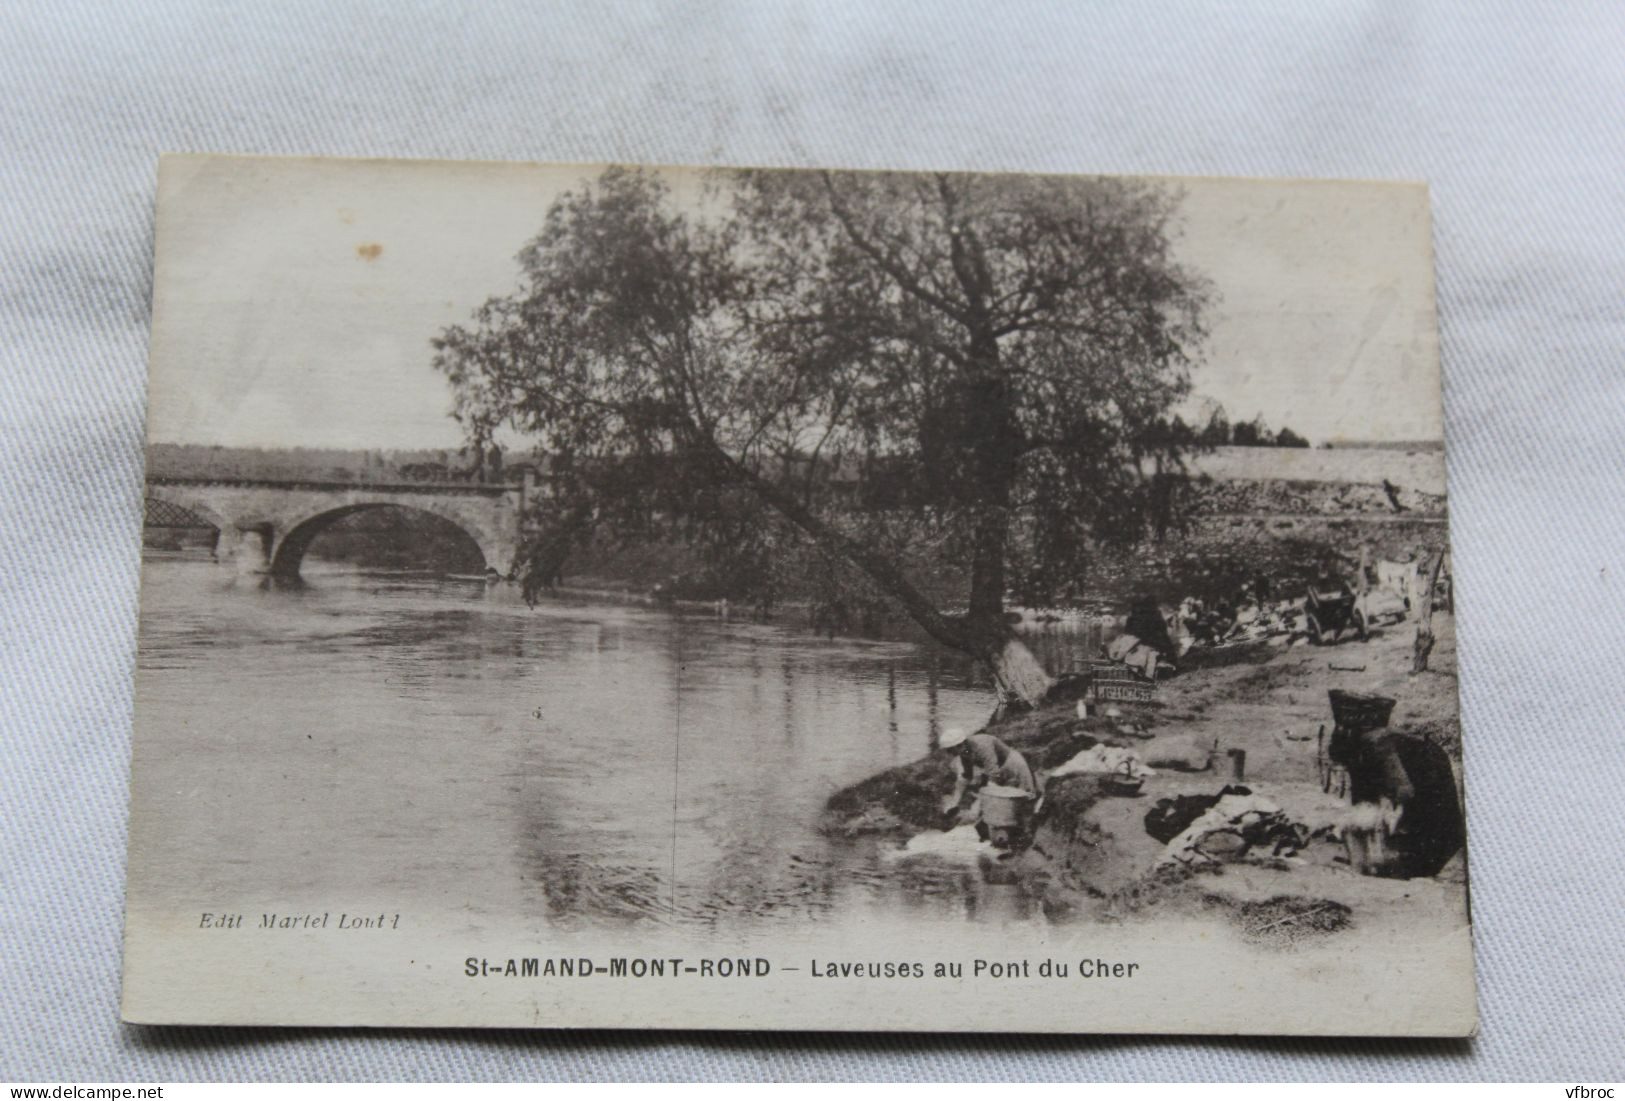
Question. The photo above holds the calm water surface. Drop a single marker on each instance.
(384, 740)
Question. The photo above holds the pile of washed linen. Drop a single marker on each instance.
(1237, 825)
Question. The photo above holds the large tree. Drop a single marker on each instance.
(1000, 353)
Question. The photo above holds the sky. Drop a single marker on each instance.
(294, 300)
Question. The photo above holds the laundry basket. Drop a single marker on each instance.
(1359, 711)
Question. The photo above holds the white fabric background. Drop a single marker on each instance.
(1515, 112)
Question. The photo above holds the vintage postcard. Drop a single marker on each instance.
(601, 596)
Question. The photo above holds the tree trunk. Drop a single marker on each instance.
(1021, 679)
(1018, 675)
(1424, 616)
(987, 566)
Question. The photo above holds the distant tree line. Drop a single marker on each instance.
(1220, 431)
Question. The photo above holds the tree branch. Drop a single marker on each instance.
(899, 274)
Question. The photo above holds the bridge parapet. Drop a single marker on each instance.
(266, 525)
(467, 489)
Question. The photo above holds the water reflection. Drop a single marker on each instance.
(388, 737)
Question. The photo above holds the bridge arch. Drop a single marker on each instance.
(295, 536)
(188, 503)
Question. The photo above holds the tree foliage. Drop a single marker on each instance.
(983, 363)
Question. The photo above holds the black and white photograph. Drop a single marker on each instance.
(795, 599)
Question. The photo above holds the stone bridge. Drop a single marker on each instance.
(266, 526)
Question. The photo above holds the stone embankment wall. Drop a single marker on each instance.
(1291, 532)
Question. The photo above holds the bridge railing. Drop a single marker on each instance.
(487, 489)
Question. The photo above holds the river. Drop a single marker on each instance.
(392, 739)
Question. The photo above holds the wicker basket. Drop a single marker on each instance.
(1359, 711)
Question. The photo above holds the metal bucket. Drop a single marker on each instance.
(1005, 807)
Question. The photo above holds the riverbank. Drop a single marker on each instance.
(1092, 856)
(1231, 522)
